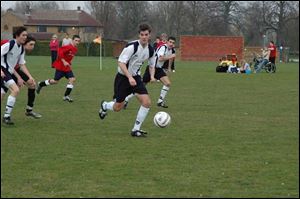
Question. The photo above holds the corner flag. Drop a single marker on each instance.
(98, 40)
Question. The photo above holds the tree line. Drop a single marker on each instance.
(254, 20)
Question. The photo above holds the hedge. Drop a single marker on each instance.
(84, 49)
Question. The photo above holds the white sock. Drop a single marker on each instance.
(163, 93)
(142, 114)
(47, 82)
(129, 97)
(109, 105)
(9, 105)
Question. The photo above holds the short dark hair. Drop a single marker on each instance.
(171, 38)
(144, 27)
(19, 31)
(272, 41)
(29, 39)
(75, 36)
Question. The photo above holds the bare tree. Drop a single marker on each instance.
(277, 14)
(130, 15)
(64, 5)
(104, 12)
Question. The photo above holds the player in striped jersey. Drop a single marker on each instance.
(128, 79)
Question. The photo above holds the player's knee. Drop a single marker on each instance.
(31, 84)
(118, 106)
(15, 91)
(146, 103)
(72, 80)
(168, 84)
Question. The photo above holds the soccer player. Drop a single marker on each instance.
(63, 68)
(12, 53)
(128, 79)
(163, 54)
(169, 67)
(22, 78)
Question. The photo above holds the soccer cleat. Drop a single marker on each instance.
(38, 88)
(162, 104)
(33, 114)
(67, 98)
(102, 112)
(125, 104)
(7, 120)
(138, 133)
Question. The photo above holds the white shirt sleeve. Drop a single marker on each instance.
(4, 49)
(126, 54)
(161, 51)
(22, 58)
(151, 61)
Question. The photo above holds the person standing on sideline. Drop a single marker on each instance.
(12, 53)
(128, 79)
(66, 41)
(272, 49)
(54, 45)
(21, 78)
(63, 68)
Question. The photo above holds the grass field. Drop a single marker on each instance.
(232, 135)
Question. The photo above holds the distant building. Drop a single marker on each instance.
(42, 24)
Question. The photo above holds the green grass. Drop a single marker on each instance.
(232, 135)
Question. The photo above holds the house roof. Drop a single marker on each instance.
(59, 18)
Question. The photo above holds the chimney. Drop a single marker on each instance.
(27, 11)
(78, 9)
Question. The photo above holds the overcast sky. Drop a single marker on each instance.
(72, 4)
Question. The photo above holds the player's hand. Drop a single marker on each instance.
(30, 81)
(20, 82)
(66, 63)
(2, 74)
(132, 81)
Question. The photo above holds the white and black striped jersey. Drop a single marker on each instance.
(134, 55)
(11, 57)
(163, 50)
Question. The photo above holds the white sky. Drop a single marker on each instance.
(72, 4)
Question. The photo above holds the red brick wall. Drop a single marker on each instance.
(118, 47)
(210, 48)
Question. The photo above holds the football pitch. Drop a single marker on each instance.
(231, 135)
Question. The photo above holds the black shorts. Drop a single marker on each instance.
(60, 74)
(8, 77)
(122, 88)
(159, 73)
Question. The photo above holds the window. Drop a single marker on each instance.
(42, 29)
(62, 29)
(90, 29)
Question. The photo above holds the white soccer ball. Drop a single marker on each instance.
(162, 119)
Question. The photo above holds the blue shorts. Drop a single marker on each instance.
(60, 74)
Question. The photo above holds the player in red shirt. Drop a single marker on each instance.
(63, 68)
(272, 49)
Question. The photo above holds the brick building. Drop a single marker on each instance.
(42, 24)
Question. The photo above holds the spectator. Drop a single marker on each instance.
(54, 44)
(265, 60)
(272, 49)
(66, 40)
